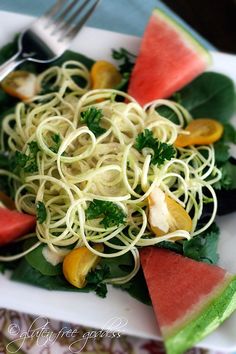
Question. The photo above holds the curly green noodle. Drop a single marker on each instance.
(107, 167)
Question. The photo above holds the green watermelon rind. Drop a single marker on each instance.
(190, 39)
(220, 308)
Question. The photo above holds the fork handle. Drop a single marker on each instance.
(10, 65)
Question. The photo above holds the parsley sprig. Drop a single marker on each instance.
(41, 212)
(26, 162)
(126, 59)
(92, 118)
(56, 138)
(126, 63)
(161, 151)
(95, 278)
(111, 213)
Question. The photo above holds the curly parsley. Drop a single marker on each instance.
(56, 138)
(111, 213)
(161, 151)
(126, 63)
(41, 212)
(26, 162)
(92, 118)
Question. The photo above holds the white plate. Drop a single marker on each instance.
(88, 309)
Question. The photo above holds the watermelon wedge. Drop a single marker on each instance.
(14, 224)
(169, 58)
(190, 298)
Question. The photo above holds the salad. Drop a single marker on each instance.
(91, 166)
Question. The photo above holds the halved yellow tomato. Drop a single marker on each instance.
(202, 131)
(166, 215)
(78, 263)
(104, 75)
(20, 84)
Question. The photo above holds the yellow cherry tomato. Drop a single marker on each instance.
(201, 131)
(104, 75)
(78, 263)
(166, 215)
(20, 84)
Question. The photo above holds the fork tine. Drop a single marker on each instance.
(71, 19)
(54, 9)
(61, 18)
(73, 30)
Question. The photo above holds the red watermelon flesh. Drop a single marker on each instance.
(169, 58)
(14, 224)
(190, 298)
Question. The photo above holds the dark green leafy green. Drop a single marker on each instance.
(229, 134)
(25, 273)
(41, 212)
(122, 266)
(56, 138)
(5, 164)
(9, 250)
(126, 63)
(4, 161)
(126, 59)
(96, 278)
(222, 152)
(2, 267)
(119, 267)
(203, 247)
(137, 288)
(172, 246)
(228, 180)
(70, 55)
(161, 151)
(26, 162)
(222, 157)
(210, 95)
(92, 118)
(168, 113)
(111, 213)
(36, 259)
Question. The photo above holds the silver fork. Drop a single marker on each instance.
(50, 35)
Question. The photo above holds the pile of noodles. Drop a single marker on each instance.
(107, 167)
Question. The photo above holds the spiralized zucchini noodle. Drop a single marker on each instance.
(107, 167)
